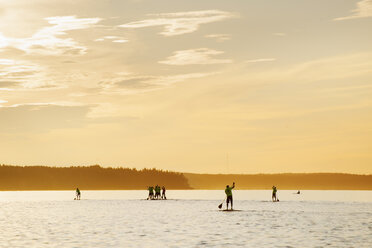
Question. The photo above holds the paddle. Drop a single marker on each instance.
(220, 206)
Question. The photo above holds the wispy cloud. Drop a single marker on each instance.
(364, 9)
(115, 39)
(48, 41)
(260, 60)
(6, 62)
(131, 84)
(200, 56)
(180, 22)
(324, 69)
(120, 41)
(219, 37)
(17, 70)
(27, 75)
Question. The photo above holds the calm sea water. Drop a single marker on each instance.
(187, 219)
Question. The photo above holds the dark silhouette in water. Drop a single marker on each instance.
(229, 197)
(273, 196)
(151, 193)
(298, 192)
(163, 194)
(89, 178)
(78, 194)
(157, 192)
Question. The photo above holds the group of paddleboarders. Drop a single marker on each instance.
(157, 191)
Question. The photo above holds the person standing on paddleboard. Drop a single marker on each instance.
(273, 197)
(229, 197)
(78, 194)
(163, 194)
(157, 191)
(151, 193)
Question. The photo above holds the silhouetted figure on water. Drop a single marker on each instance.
(298, 192)
(151, 193)
(157, 192)
(78, 194)
(274, 197)
(163, 194)
(229, 197)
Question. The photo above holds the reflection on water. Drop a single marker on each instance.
(191, 219)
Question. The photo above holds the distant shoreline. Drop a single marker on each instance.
(44, 178)
(283, 181)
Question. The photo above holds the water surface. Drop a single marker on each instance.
(189, 219)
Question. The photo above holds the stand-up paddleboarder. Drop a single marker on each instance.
(157, 191)
(163, 194)
(229, 197)
(273, 197)
(151, 193)
(78, 194)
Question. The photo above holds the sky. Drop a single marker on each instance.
(212, 86)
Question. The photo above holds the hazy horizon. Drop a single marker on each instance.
(233, 87)
(185, 172)
(99, 178)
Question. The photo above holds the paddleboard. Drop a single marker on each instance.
(156, 199)
(229, 210)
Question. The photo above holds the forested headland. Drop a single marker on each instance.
(86, 177)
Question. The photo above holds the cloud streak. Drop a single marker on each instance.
(48, 41)
(260, 60)
(180, 22)
(22, 74)
(200, 56)
(17, 73)
(115, 39)
(132, 84)
(364, 9)
(219, 37)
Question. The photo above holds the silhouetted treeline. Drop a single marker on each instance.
(96, 177)
(295, 181)
(91, 177)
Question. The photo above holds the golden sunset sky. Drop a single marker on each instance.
(213, 86)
